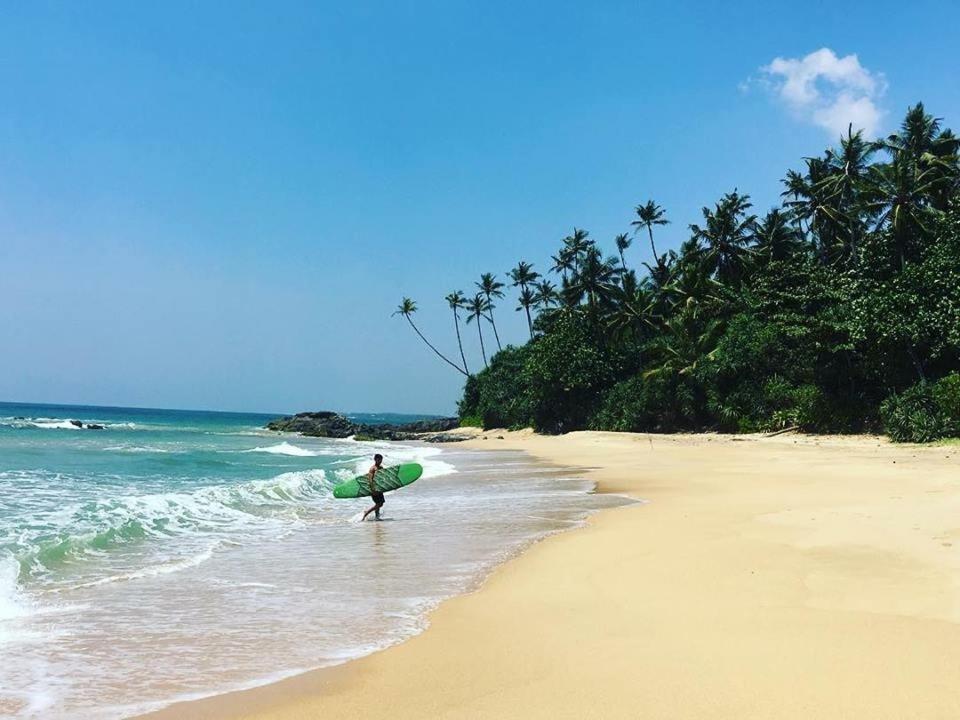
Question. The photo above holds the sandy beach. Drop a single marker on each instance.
(783, 577)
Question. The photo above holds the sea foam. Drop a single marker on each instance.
(284, 448)
(10, 604)
(72, 532)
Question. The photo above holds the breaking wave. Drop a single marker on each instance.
(46, 423)
(10, 605)
(89, 529)
(284, 448)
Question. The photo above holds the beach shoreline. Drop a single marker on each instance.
(779, 577)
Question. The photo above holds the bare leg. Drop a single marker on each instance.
(376, 510)
(375, 507)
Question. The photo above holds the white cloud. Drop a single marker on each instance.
(829, 91)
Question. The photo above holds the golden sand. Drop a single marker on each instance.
(773, 578)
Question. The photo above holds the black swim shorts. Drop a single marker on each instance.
(377, 497)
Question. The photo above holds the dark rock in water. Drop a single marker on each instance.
(334, 425)
(409, 431)
(315, 424)
(95, 426)
(76, 423)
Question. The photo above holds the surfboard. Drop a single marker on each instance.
(387, 479)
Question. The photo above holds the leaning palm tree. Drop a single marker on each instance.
(476, 309)
(522, 276)
(491, 288)
(648, 215)
(407, 308)
(623, 242)
(456, 301)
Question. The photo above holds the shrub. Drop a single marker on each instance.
(652, 404)
(947, 394)
(792, 406)
(566, 372)
(758, 378)
(497, 396)
(924, 412)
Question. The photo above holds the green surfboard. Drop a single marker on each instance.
(387, 479)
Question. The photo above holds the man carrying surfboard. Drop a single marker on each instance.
(377, 496)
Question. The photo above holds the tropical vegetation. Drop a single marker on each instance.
(837, 311)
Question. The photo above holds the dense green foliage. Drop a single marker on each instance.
(838, 311)
(924, 412)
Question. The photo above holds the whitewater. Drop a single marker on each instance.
(176, 554)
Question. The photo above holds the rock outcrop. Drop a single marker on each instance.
(333, 425)
(315, 424)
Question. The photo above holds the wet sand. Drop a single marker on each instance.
(765, 578)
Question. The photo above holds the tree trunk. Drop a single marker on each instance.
(916, 363)
(495, 333)
(483, 350)
(656, 258)
(440, 355)
(456, 324)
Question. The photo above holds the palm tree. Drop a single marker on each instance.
(841, 189)
(563, 263)
(660, 275)
(476, 309)
(527, 300)
(922, 142)
(683, 343)
(634, 310)
(815, 202)
(648, 215)
(726, 235)
(547, 295)
(623, 242)
(571, 254)
(522, 276)
(900, 195)
(691, 285)
(490, 288)
(775, 238)
(595, 278)
(407, 308)
(456, 300)
(798, 189)
(907, 193)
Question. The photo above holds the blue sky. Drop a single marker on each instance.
(218, 205)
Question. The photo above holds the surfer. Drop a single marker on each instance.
(377, 496)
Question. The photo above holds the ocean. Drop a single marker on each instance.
(176, 554)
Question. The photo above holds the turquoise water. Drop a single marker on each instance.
(174, 554)
(149, 479)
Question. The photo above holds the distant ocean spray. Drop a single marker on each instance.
(174, 554)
